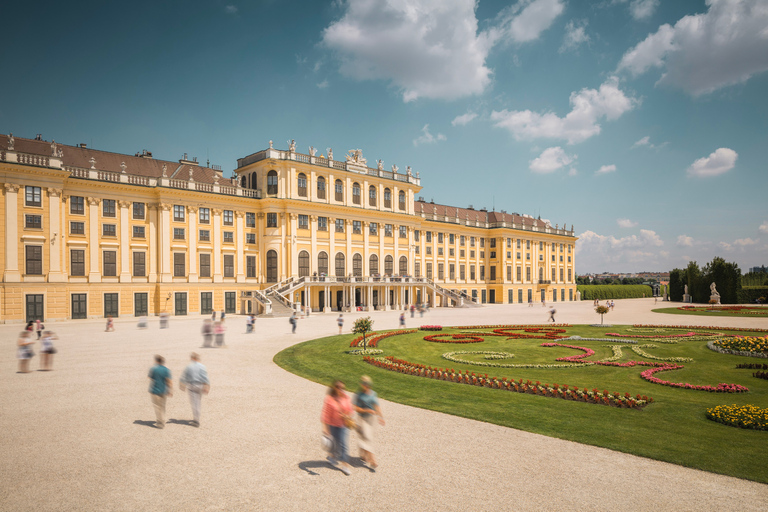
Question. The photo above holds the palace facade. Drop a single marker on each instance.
(89, 233)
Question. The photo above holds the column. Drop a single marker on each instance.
(313, 242)
(240, 243)
(366, 256)
(283, 252)
(294, 250)
(411, 253)
(11, 273)
(192, 274)
(348, 237)
(216, 224)
(125, 245)
(153, 242)
(94, 270)
(164, 235)
(56, 235)
(331, 246)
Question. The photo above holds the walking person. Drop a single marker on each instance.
(142, 322)
(195, 381)
(222, 315)
(252, 317)
(367, 407)
(39, 327)
(340, 322)
(402, 320)
(160, 388)
(293, 321)
(24, 350)
(46, 351)
(337, 420)
(110, 325)
(218, 329)
(413, 309)
(552, 315)
(164, 320)
(207, 332)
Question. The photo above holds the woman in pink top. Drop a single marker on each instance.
(337, 413)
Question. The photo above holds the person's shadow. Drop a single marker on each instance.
(153, 424)
(188, 423)
(145, 423)
(309, 465)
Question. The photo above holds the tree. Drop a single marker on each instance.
(363, 326)
(601, 310)
(727, 278)
(696, 287)
(676, 282)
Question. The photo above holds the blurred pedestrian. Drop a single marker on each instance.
(367, 407)
(337, 420)
(160, 388)
(293, 321)
(340, 322)
(195, 381)
(47, 350)
(402, 320)
(413, 309)
(164, 320)
(110, 324)
(222, 315)
(30, 326)
(213, 316)
(253, 322)
(552, 315)
(248, 324)
(39, 327)
(207, 332)
(24, 350)
(218, 329)
(142, 322)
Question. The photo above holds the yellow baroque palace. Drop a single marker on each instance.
(90, 233)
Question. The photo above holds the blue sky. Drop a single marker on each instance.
(640, 122)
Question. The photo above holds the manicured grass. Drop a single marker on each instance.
(677, 311)
(674, 428)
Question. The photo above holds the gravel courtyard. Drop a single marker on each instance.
(82, 437)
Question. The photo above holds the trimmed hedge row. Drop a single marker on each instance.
(749, 294)
(614, 291)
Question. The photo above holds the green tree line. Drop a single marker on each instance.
(727, 278)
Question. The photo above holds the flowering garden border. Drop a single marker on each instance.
(373, 342)
(705, 328)
(742, 416)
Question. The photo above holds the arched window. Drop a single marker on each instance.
(387, 198)
(401, 199)
(244, 182)
(339, 190)
(272, 183)
(356, 199)
(321, 188)
(322, 263)
(302, 184)
(340, 267)
(271, 266)
(371, 196)
(303, 263)
(357, 265)
(389, 264)
(254, 183)
(403, 266)
(373, 262)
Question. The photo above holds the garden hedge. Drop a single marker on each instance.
(614, 291)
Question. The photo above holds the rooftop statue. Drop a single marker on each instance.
(292, 146)
(380, 165)
(312, 151)
(355, 156)
(270, 144)
(330, 153)
(394, 168)
(11, 140)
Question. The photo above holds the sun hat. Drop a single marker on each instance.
(366, 380)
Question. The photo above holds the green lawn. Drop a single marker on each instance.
(677, 311)
(674, 428)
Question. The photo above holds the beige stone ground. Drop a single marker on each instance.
(79, 438)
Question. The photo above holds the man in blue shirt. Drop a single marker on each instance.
(195, 380)
(160, 386)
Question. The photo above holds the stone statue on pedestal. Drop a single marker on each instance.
(713, 295)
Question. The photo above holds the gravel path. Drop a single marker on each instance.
(80, 437)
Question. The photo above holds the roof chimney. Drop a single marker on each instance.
(83, 145)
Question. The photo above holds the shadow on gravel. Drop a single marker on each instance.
(181, 422)
(145, 423)
(309, 465)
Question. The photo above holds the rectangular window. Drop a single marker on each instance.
(303, 221)
(339, 225)
(541, 246)
(429, 249)
(205, 235)
(77, 205)
(179, 213)
(440, 271)
(471, 254)
(471, 241)
(139, 264)
(205, 265)
(417, 269)
(451, 252)
(482, 254)
(429, 236)
(33, 196)
(482, 242)
(569, 275)
(472, 272)
(451, 239)
(493, 272)
(510, 295)
(110, 263)
(229, 218)
(229, 237)
(528, 274)
(482, 272)
(111, 304)
(77, 262)
(250, 220)
(561, 275)
(509, 243)
(416, 234)
(439, 238)
(461, 240)
(138, 231)
(271, 220)
(519, 273)
(206, 303)
(79, 306)
(229, 265)
(462, 272)
(373, 228)
(357, 227)
(509, 254)
(403, 232)
(484, 296)
(518, 244)
(452, 271)
(250, 266)
(109, 230)
(493, 254)
(527, 244)
(429, 270)
(138, 211)
(108, 208)
(416, 249)
(33, 221)
(387, 229)
(339, 188)
(439, 251)
(178, 233)
(509, 272)
(180, 303)
(250, 238)
(322, 223)
(179, 264)
(492, 242)
(204, 216)
(230, 302)
(520, 295)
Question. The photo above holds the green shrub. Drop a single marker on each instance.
(748, 294)
(614, 291)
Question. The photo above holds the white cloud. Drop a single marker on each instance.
(588, 107)
(575, 35)
(427, 138)
(719, 162)
(463, 119)
(429, 48)
(725, 245)
(231, 9)
(745, 242)
(601, 250)
(764, 227)
(550, 160)
(645, 141)
(705, 52)
(323, 85)
(572, 171)
(642, 9)
(605, 169)
(626, 223)
(685, 241)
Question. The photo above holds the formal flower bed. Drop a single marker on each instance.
(508, 326)
(374, 339)
(452, 356)
(365, 352)
(761, 375)
(611, 340)
(454, 338)
(720, 388)
(638, 350)
(431, 328)
(742, 416)
(588, 352)
(700, 327)
(683, 335)
(752, 366)
(741, 310)
(565, 392)
(744, 344)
